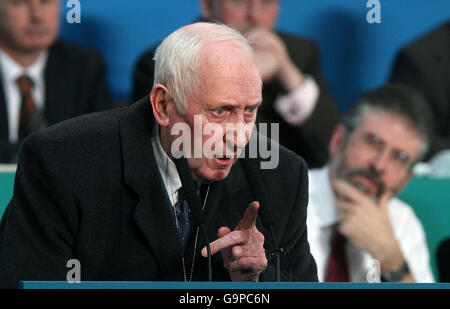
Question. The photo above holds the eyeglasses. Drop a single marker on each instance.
(397, 158)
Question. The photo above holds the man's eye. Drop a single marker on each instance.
(219, 111)
(251, 109)
(401, 157)
(374, 140)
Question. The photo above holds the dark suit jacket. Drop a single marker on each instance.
(89, 188)
(425, 65)
(309, 140)
(443, 258)
(75, 84)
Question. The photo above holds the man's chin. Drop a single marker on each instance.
(36, 43)
(213, 175)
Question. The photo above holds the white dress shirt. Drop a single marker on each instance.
(323, 215)
(167, 168)
(296, 106)
(10, 71)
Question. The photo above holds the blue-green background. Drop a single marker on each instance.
(355, 55)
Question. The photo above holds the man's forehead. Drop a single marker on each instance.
(394, 129)
(375, 119)
(228, 62)
(212, 52)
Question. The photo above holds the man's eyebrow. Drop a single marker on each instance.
(232, 106)
(257, 104)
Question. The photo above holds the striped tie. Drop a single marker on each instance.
(30, 119)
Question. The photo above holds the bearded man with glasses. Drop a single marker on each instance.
(358, 230)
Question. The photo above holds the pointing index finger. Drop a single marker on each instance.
(249, 219)
(228, 239)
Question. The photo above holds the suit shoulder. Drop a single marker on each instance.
(289, 159)
(281, 162)
(145, 61)
(298, 41)
(434, 41)
(147, 55)
(303, 51)
(86, 128)
(75, 52)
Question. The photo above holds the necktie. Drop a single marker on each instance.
(30, 119)
(183, 219)
(337, 268)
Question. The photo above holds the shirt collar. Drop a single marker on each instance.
(11, 70)
(324, 199)
(167, 167)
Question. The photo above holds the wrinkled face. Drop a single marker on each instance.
(28, 25)
(223, 113)
(245, 14)
(377, 155)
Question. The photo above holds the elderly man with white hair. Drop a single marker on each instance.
(295, 93)
(110, 190)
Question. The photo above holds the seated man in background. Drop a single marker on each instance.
(425, 65)
(42, 80)
(357, 228)
(295, 94)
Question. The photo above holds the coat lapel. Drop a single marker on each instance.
(153, 214)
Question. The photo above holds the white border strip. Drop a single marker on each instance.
(9, 168)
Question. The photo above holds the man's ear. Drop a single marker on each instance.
(160, 99)
(337, 138)
(206, 8)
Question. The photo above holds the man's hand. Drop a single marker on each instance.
(366, 223)
(242, 250)
(272, 58)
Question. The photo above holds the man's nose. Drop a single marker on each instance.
(380, 161)
(35, 9)
(237, 136)
(254, 10)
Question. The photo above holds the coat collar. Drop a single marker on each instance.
(152, 214)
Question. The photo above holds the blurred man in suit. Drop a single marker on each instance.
(425, 65)
(357, 228)
(295, 94)
(42, 80)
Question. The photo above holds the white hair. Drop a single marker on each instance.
(177, 58)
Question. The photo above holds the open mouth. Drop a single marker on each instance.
(224, 161)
